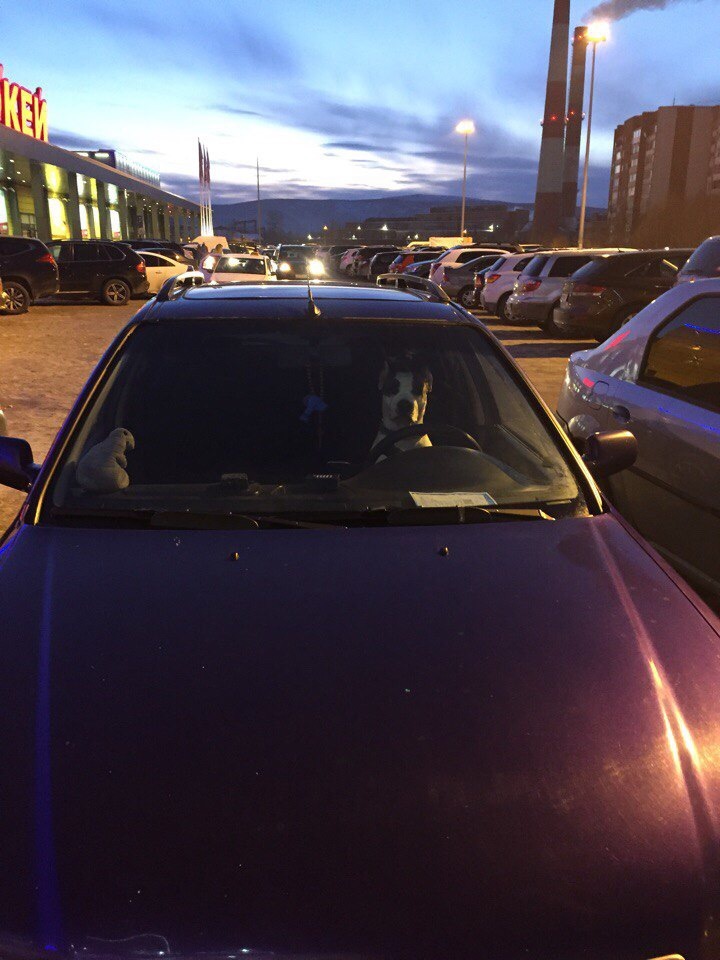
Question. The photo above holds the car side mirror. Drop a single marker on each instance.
(17, 469)
(610, 452)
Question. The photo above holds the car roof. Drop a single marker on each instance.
(290, 298)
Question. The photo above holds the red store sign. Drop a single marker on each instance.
(21, 110)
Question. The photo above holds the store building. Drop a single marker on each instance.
(55, 194)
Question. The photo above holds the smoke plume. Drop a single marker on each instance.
(617, 9)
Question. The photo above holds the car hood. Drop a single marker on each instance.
(401, 742)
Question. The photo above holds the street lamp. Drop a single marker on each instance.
(465, 127)
(596, 33)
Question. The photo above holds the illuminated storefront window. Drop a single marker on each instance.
(59, 229)
(96, 219)
(112, 194)
(84, 224)
(115, 231)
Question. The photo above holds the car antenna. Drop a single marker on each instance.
(312, 308)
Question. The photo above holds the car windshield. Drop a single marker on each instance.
(240, 265)
(343, 418)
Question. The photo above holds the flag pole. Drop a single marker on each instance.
(259, 206)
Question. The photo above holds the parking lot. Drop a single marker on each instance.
(47, 354)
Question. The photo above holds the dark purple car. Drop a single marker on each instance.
(318, 640)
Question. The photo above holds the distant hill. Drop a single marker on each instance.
(309, 216)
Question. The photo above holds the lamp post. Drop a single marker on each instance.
(465, 127)
(596, 33)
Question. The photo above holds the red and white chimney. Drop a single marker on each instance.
(548, 199)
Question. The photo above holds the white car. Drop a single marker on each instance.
(346, 261)
(234, 268)
(159, 268)
(457, 256)
(499, 282)
(659, 378)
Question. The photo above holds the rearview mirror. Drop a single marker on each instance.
(610, 452)
(17, 469)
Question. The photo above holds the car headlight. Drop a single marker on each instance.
(284, 268)
(315, 268)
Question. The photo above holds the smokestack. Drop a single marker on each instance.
(548, 199)
(573, 126)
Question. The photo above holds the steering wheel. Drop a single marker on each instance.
(456, 436)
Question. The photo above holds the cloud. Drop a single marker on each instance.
(358, 146)
(235, 111)
(73, 141)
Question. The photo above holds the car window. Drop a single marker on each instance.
(705, 261)
(521, 265)
(658, 269)
(110, 251)
(62, 252)
(535, 267)
(10, 246)
(467, 255)
(88, 252)
(152, 261)
(248, 416)
(565, 266)
(683, 357)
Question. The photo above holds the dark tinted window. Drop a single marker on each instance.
(684, 356)
(151, 261)
(9, 246)
(87, 252)
(61, 251)
(520, 265)
(467, 255)
(657, 269)
(109, 251)
(706, 259)
(535, 267)
(565, 266)
(479, 263)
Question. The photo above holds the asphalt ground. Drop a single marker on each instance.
(47, 354)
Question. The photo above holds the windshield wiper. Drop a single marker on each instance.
(186, 519)
(449, 515)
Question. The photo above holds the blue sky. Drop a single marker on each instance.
(340, 98)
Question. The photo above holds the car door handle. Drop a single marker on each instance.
(621, 413)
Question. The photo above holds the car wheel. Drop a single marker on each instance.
(115, 293)
(466, 297)
(17, 297)
(501, 309)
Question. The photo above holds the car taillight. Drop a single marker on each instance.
(478, 281)
(47, 258)
(587, 288)
(492, 278)
(140, 267)
(530, 285)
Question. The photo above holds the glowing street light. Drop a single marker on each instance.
(596, 33)
(465, 127)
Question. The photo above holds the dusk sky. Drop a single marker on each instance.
(340, 98)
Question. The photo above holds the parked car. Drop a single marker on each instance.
(659, 377)
(603, 295)
(159, 268)
(419, 269)
(704, 263)
(247, 269)
(380, 263)
(346, 260)
(298, 260)
(479, 282)
(109, 272)
(458, 281)
(499, 283)
(538, 289)
(308, 695)
(361, 264)
(459, 255)
(28, 272)
(406, 258)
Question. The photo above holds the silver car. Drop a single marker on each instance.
(659, 377)
(458, 280)
(500, 282)
(538, 289)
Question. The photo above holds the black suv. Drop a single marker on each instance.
(110, 272)
(604, 294)
(28, 272)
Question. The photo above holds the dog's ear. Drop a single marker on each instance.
(383, 375)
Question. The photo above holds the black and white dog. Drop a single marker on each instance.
(406, 383)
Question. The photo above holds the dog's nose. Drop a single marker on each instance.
(404, 407)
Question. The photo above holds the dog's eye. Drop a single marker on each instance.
(391, 386)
